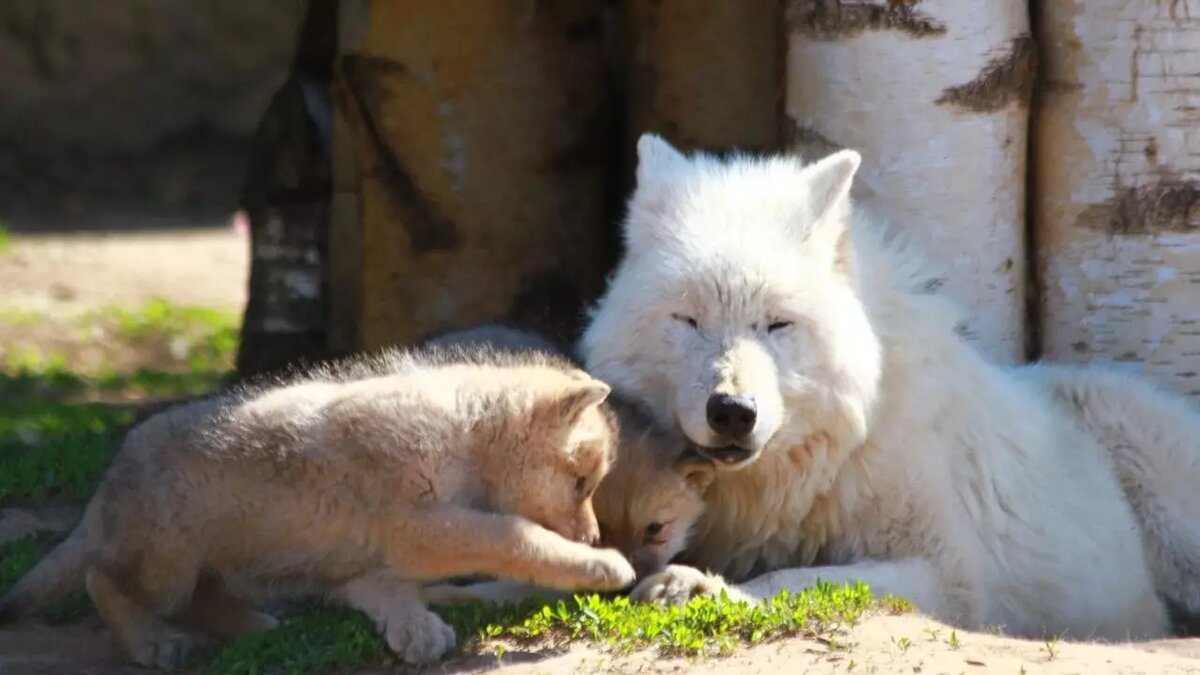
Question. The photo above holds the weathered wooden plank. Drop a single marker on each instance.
(706, 77)
(479, 148)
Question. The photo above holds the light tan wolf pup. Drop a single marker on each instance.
(359, 482)
(646, 505)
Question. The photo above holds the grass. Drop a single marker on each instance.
(19, 555)
(59, 425)
(208, 336)
(328, 639)
(6, 240)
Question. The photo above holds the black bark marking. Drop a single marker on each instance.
(810, 142)
(834, 19)
(428, 229)
(1006, 79)
(1170, 206)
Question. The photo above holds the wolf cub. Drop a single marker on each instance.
(646, 505)
(359, 482)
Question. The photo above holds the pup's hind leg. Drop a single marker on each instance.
(133, 607)
(214, 610)
(414, 633)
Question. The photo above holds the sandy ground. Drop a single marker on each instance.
(48, 281)
(63, 274)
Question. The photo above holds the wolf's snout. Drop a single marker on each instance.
(731, 415)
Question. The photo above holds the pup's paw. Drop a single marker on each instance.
(164, 648)
(419, 637)
(677, 584)
(608, 570)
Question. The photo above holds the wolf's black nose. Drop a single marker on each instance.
(731, 416)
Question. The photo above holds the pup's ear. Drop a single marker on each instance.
(697, 470)
(568, 406)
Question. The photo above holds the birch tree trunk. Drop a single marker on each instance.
(1117, 169)
(935, 95)
(476, 132)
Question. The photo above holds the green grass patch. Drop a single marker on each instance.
(328, 639)
(6, 240)
(56, 437)
(19, 555)
(209, 336)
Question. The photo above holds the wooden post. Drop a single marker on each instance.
(1117, 185)
(286, 197)
(935, 95)
(475, 134)
(704, 77)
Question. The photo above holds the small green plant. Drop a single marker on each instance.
(954, 643)
(1051, 648)
(894, 604)
(903, 644)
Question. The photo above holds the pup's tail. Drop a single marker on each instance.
(55, 575)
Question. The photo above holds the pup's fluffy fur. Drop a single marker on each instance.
(885, 448)
(361, 482)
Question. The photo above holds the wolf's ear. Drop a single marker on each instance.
(828, 182)
(568, 406)
(696, 470)
(655, 157)
(657, 161)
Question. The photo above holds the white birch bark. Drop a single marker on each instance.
(1116, 158)
(934, 94)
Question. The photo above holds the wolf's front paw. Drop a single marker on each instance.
(677, 584)
(419, 637)
(608, 571)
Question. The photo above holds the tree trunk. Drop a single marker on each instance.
(705, 78)
(286, 198)
(469, 177)
(935, 95)
(1117, 168)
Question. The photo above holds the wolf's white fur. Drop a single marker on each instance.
(887, 449)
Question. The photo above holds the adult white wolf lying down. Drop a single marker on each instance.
(862, 438)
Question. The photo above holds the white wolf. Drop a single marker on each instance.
(782, 330)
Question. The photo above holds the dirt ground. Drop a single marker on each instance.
(59, 275)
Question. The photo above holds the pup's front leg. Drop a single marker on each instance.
(498, 592)
(415, 634)
(913, 579)
(450, 542)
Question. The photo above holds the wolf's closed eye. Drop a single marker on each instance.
(777, 325)
(686, 319)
